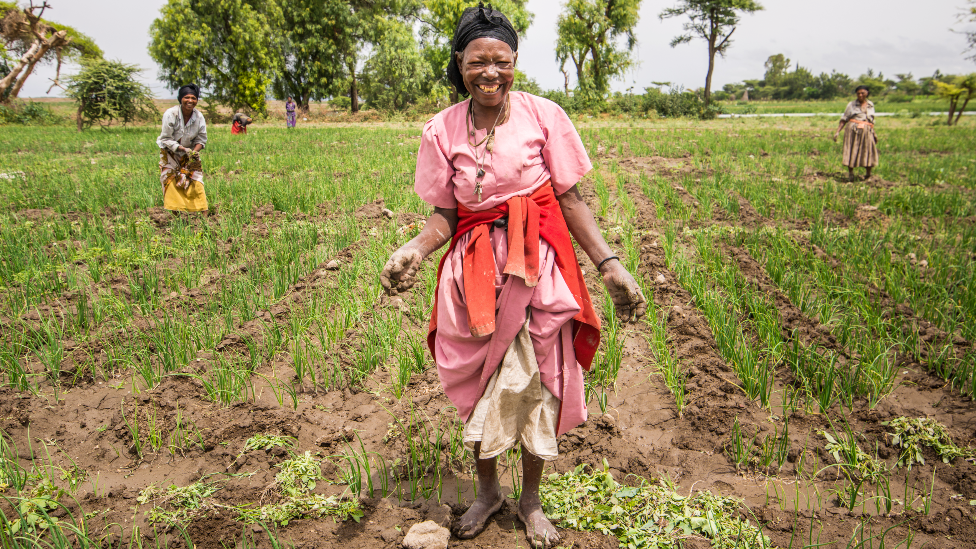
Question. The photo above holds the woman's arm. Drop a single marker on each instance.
(624, 290)
(400, 271)
(165, 139)
(200, 140)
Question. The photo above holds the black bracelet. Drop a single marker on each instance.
(600, 266)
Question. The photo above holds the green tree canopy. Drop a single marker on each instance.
(231, 48)
(589, 33)
(320, 39)
(107, 91)
(395, 75)
(440, 18)
(713, 21)
(959, 88)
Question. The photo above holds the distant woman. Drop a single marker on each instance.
(860, 142)
(183, 136)
(239, 123)
(512, 325)
(290, 117)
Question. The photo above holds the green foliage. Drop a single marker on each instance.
(523, 83)
(959, 88)
(646, 515)
(317, 37)
(295, 481)
(178, 505)
(25, 113)
(713, 21)
(876, 83)
(34, 509)
(589, 34)
(911, 435)
(231, 48)
(395, 75)
(298, 475)
(858, 463)
(268, 442)
(107, 91)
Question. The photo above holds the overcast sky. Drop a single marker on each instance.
(892, 36)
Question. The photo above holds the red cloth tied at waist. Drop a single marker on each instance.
(529, 218)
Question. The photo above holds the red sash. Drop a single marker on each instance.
(529, 218)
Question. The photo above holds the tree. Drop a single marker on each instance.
(395, 74)
(713, 21)
(231, 48)
(969, 15)
(589, 32)
(440, 18)
(27, 36)
(876, 83)
(907, 85)
(314, 40)
(321, 42)
(776, 66)
(107, 91)
(961, 88)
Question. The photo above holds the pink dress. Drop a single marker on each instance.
(537, 144)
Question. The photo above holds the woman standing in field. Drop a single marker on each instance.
(860, 141)
(290, 117)
(512, 326)
(183, 136)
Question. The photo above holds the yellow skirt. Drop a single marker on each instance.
(191, 199)
(182, 181)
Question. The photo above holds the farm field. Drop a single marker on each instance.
(804, 378)
(918, 105)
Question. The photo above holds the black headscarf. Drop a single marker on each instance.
(480, 22)
(188, 89)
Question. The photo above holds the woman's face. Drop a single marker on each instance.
(188, 102)
(862, 95)
(488, 68)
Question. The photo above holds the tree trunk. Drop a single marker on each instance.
(711, 68)
(963, 108)
(354, 96)
(80, 120)
(454, 95)
(565, 81)
(59, 39)
(27, 72)
(952, 110)
(24, 61)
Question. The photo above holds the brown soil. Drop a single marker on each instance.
(641, 433)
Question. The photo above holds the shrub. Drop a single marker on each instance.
(107, 91)
(26, 113)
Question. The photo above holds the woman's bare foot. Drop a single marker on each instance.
(476, 517)
(538, 530)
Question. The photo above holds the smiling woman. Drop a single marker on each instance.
(512, 326)
(183, 136)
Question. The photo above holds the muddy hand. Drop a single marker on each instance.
(400, 271)
(624, 292)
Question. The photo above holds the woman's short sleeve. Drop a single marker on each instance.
(563, 152)
(434, 178)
